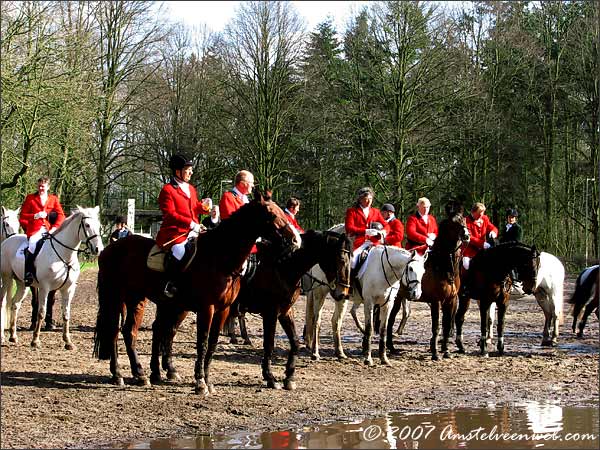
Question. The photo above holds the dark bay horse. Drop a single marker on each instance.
(489, 281)
(208, 286)
(585, 297)
(441, 280)
(276, 287)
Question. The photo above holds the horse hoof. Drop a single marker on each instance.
(447, 355)
(155, 378)
(369, 362)
(141, 381)
(546, 343)
(201, 389)
(461, 351)
(36, 344)
(435, 357)
(554, 344)
(12, 339)
(485, 355)
(69, 346)
(173, 376)
(274, 385)
(289, 385)
(579, 335)
(341, 356)
(118, 381)
(234, 341)
(315, 357)
(249, 344)
(386, 362)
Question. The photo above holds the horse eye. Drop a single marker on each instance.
(87, 225)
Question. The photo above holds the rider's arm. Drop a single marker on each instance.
(227, 205)
(352, 228)
(59, 211)
(27, 212)
(166, 203)
(412, 232)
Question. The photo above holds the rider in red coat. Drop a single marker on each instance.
(396, 234)
(421, 227)
(34, 218)
(179, 204)
(233, 200)
(291, 209)
(480, 228)
(363, 221)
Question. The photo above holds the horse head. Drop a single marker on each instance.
(89, 228)
(274, 215)
(339, 267)
(527, 268)
(413, 274)
(10, 222)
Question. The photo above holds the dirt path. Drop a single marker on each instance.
(53, 398)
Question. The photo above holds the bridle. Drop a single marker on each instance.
(86, 251)
(337, 282)
(5, 228)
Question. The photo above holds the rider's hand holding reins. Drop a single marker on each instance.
(40, 215)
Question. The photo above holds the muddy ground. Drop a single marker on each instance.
(53, 398)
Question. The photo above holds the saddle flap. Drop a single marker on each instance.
(156, 259)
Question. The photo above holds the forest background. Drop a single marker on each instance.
(493, 101)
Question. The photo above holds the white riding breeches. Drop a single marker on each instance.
(34, 239)
(466, 262)
(358, 251)
(178, 250)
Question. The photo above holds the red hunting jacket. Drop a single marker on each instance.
(178, 213)
(356, 224)
(33, 205)
(230, 203)
(417, 231)
(292, 219)
(478, 229)
(396, 233)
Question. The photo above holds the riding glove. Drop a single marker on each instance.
(486, 245)
(40, 215)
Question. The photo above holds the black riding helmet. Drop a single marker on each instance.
(178, 162)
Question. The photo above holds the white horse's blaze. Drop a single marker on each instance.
(57, 268)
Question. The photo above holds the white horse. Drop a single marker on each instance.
(9, 227)
(57, 268)
(548, 292)
(10, 222)
(379, 281)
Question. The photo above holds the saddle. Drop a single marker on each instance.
(156, 257)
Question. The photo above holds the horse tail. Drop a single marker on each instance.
(109, 313)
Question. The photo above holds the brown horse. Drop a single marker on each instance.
(441, 280)
(271, 292)
(208, 286)
(489, 280)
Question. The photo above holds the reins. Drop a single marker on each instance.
(87, 250)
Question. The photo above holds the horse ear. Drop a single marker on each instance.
(97, 209)
(3, 211)
(256, 194)
(18, 210)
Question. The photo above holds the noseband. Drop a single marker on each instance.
(5, 229)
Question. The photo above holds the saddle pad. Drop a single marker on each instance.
(21, 251)
(156, 259)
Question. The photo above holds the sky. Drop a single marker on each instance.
(215, 14)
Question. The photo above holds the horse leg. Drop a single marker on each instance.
(288, 325)
(34, 307)
(405, 304)
(368, 307)
(314, 311)
(357, 321)
(484, 307)
(244, 329)
(448, 315)
(164, 328)
(309, 322)
(135, 314)
(589, 308)
(435, 329)
(218, 321)
(66, 297)
(459, 320)
(490, 326)
(5, 288)
(203, 326)
(502, 307)
(336, 326)
(42, 297)
(390, 326)
(269, 324)
(13, 311)
(384, 312)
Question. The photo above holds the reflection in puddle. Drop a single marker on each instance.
(522, 425)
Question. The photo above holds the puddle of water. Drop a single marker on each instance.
(522, 425)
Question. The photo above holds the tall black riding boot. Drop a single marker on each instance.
(29, 268)
(172, 268)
